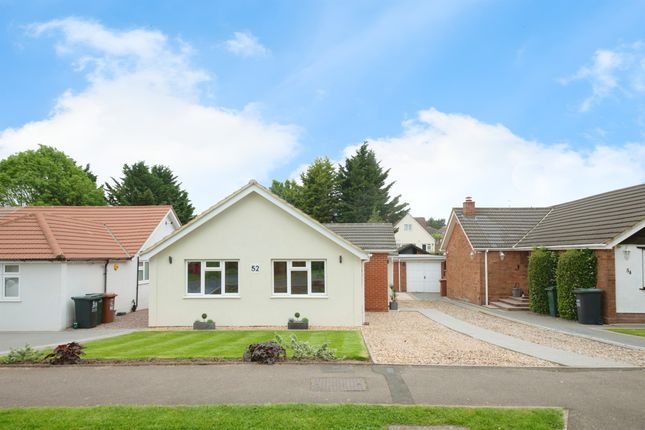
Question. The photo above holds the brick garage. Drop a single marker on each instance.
(378, 240)
(376, 283)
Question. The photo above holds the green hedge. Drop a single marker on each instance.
(576, 269)
(542, 265)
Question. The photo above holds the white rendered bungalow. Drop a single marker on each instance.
(50, 253)
(254, 260)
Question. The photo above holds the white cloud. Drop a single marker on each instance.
(246, 44)
(141, 102)
(619, 70)
(440, 158)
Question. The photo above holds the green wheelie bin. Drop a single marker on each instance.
(86, 311)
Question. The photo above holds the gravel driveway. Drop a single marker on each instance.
(534, 334)
(411, 338)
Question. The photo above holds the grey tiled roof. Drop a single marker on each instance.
(367, 236)
(590, 221)
(492, 228)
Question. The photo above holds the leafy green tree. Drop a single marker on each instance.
(319, 192)
(142, 185)
(47, 176)
(288, 190)
(364, 191)
(576, 269)
(542, 265)
(436, 235)
(436, 222)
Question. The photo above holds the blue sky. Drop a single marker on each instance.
(522, 103)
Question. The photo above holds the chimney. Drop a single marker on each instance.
(469, 206)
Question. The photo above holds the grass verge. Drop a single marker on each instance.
(230, 345)
(296, 417)
(632, 331)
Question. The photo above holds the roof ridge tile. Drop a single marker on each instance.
(49, 235)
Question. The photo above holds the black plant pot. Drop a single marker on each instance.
(203, 325)
(394, 306)
(298, 325)
(517, 292)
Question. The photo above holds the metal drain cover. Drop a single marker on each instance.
(332, 385)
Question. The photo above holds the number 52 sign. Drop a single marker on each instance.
(255, 268)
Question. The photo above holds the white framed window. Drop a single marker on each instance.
(144, 271)
(407, 227)
(299, 278)
(9, 282)
(212, 278)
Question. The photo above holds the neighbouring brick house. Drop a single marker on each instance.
(488, 248)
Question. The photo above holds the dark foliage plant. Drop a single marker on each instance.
(265, 353)
(67, 353)
(542, 265)
(576, 269)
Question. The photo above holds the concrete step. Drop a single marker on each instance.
(515, 301)
(508, 307)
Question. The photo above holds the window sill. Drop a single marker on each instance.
(10, 301)
(214, 297)
(143, 282)
(304, 296)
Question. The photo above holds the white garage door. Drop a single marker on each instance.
(423, 276)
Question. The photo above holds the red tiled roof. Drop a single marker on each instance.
(76, 232)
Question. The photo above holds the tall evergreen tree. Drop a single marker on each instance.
(288, 190)
(364, 191)
(47, 176)
(320, 197)
(141, 185)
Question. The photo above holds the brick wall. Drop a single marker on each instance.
(606, 281)
(376, 287)
(464, 275)
(404, 280)
(503, 275)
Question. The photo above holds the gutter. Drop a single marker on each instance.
(105, 276)
(136, 295)
(486, 276)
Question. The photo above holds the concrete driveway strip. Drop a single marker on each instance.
(565, 358)
(596, 399)
(45, 339)
(593, 332)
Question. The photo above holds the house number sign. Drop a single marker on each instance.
(255, 268)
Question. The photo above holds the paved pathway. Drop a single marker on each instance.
(596, 399)
(595, 332)
(45, 339)
(554, 355)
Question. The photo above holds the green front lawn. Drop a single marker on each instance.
(216, 344)
(296, 417)
(632, 331)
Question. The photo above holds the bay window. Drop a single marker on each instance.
(299, 277)
(212, 278)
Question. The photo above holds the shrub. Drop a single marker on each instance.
(26, 354)
(265, 352)
(576, 269)
(542, 265)
(67, 353)
(305, 351)
(297, 318)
